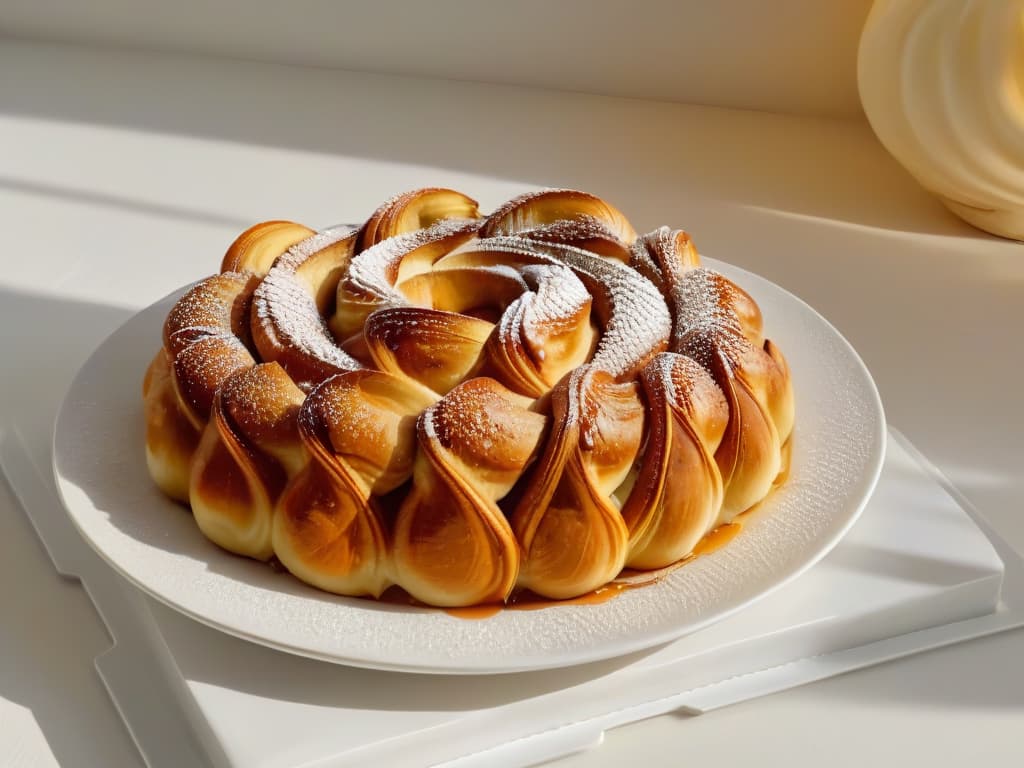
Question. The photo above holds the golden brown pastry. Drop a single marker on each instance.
(464, 405)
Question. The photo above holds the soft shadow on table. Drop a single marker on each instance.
(897, 564)
(809, 167)
(124, 203)
(968, 680)
(45, 339)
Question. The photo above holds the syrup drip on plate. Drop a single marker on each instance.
(525, 600)
(713, 541)
(628, 579)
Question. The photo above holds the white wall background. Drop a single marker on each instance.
(794, 56)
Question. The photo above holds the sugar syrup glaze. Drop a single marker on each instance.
(629, 579)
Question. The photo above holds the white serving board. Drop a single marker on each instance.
(917, 571)
(838, 447)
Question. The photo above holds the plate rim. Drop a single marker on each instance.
(644, 641)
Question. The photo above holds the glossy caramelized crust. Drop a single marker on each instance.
(247, 452)
(287, 322)
(573, 536)
(204, 343)
(453, 545)
(466, 405)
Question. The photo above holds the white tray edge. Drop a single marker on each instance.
(587, 734)
(155, 710)
(149, 698)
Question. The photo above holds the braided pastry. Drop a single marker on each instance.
(466, 405)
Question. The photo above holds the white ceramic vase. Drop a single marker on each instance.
(942, 83)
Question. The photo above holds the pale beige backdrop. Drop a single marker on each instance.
(776, 55)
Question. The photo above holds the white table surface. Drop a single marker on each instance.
(125, 175)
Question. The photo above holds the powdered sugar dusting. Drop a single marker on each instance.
(640, 260)
(704, 320)
(216, 305)
(508, 250)
(559, 296)
(482, 423)
(372, 273)
(638, 322)
(658, 255)
(302, 250)
(467, 414)
(682, 380)
(287, 311)
(584, 230)
(545, 213)
(203, 366)
(503, 220)
(659, 378)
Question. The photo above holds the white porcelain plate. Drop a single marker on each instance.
(837, 452)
